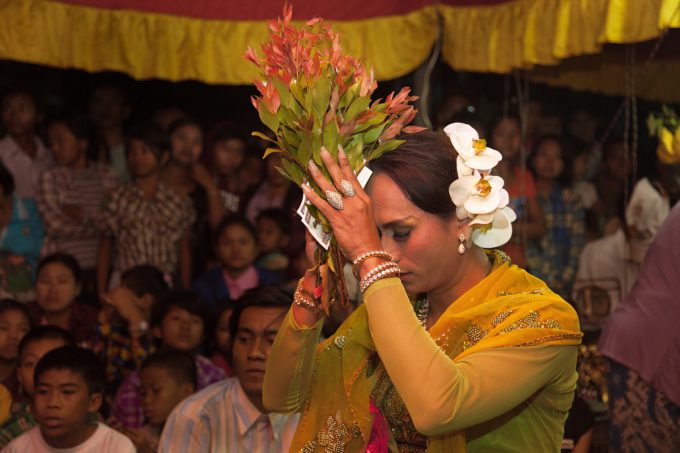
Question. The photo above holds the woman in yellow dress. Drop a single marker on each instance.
(459, 349)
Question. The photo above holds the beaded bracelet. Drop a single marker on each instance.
(305, 299)
(364, 256)
(387, 273)
(380, 268)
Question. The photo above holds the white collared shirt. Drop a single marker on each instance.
(221, 419)
(26, 171)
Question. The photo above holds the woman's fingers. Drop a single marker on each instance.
(336, 173)
(321, 204)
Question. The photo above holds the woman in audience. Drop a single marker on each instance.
(15, 322)
(226, 152)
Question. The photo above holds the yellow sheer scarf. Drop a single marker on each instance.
(509, 308)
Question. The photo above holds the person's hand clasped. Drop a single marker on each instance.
(347, 206)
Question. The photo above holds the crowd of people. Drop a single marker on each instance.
(167, 254)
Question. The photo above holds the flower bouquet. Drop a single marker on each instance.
(311, 95)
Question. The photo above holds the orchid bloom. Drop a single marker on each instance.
(471, 149)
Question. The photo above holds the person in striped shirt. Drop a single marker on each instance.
(71, 195)
(229, 416)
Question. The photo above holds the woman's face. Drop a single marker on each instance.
(13, 326)
(186, 144)
(506, 137)
(547, 161)
(56, 288)
(424, 245)
(67, 149)
(236, 248)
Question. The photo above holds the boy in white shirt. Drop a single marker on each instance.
(68, 386)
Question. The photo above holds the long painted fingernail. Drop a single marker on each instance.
(312, 165)
(324, 152)
(341, 151)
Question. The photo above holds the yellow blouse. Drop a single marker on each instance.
(505, 398)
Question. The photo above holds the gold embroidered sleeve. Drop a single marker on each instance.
(290, 365)
(445, 396)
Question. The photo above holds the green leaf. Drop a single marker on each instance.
(284, 92)
(262, 136)
(377, 119)
(292, 171)
(268, 118)
(358, 106)
(305, 149)
(372, 134)
(291, 137)
(297, 91)
(321, 93)
(269, 151)
(355, 152)
(384, 147)
(330, 137)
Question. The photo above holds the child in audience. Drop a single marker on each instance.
(123, 339)
(15, 322)
(222, 338)
(179, 321)
(273, 234)
(21, 151)
(20, 241)
(225, 156)
(35, 344)
(57, 298)
(236, 250)
(71, 195)
(146, 221)
(167, 377)
(189, 178)
(69, 385)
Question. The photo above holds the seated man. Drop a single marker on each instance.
(229, 415)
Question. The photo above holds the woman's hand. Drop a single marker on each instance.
(353, 225)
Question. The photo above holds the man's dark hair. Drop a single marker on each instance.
(279, 217)
(266, 296)
(235, 220)
(40, 333)
(77, 360)
(66, 260)
(12, 305)
(152, 136)
(184, 299)
(180, 365)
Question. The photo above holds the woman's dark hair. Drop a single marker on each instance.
(181, 122)
(423, 167)
(227, 131)
(6, 181)
(12, 305)
(77, 360)
(152, 136)
(261, 296)
(65, 260)
(565, 177)
(81, 128)
(221, 307)
(145, 279)
(184, 299)
(231, 220)
(180, 365)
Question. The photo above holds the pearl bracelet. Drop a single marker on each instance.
(364, 256)
(379, 268)
(305, 299)
(367, 282)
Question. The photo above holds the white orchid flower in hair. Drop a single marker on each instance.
(497, 232)
(478, 194)
(471, 149)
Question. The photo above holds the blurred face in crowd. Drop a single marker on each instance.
(186, 145)
(547, 161)
(250, 173)
(506, 137)
(228, 155)
(56, 288)
(269, 235)
(67, 149)
(13, 326)
(19, 114)
(580, 167)
(257, 328)
(237, 249)
(180, 329)
(160, 393)
(274, 176)
(108, 107)
(61, 404)
(583, 125)
(222, 334)
(142, 160)
(30, 356)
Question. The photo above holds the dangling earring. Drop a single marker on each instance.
(461, 247)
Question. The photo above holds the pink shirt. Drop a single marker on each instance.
(239, 285)
(642, 333)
